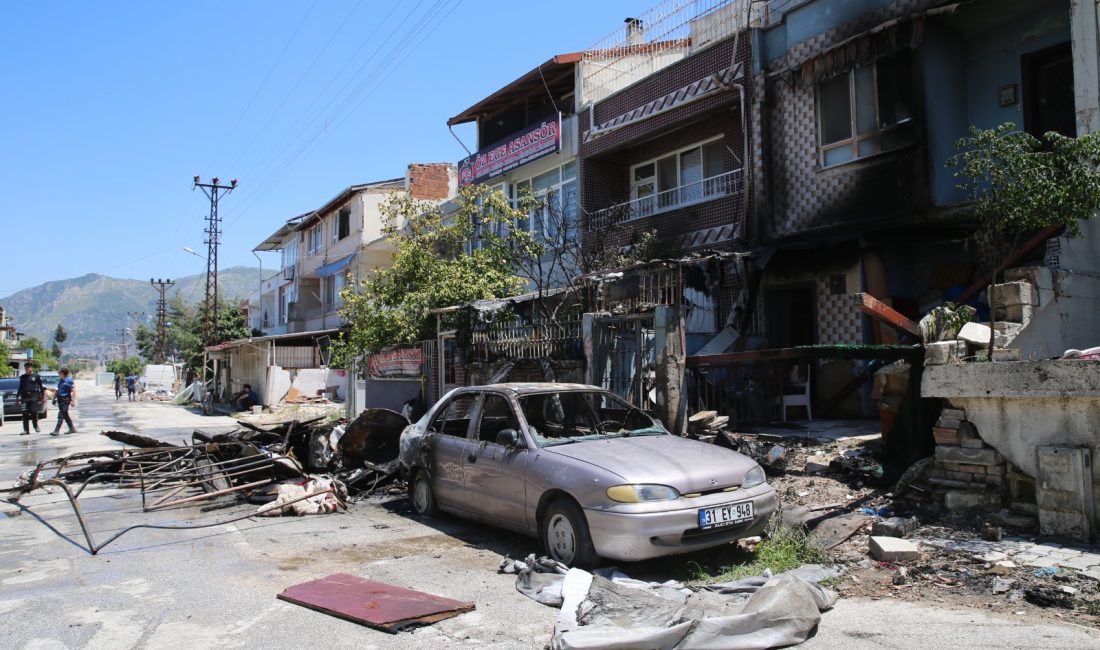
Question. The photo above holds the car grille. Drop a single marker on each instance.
(728, 488)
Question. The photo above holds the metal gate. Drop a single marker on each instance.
(626, 361)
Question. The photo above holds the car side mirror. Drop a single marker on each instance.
(508, 438)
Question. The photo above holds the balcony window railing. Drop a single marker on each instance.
(700, 191)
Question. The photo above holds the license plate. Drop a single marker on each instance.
(726, 515)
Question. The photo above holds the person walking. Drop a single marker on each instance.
(66, 397)
(30, 395)
(131, 386)
(118, 386)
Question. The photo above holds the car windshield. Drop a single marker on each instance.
(571, 416)
(9, 384)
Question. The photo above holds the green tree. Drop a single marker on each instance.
(39, 352)
(5, 360)
(1020, 183)
(440, 260)
(59, 336)
(126, 366)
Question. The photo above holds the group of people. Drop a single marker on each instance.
(131, 385)
(32, 394)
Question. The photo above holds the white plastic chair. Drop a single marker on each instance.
(797, 399)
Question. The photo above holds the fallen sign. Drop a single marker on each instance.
(374, 604)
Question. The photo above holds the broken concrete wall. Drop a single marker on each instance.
(1018, 408)
(276, 387)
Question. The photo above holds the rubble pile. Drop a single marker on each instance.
(290, 468)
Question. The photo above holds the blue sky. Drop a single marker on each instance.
(110, 108)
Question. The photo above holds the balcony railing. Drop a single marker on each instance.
(701, 191)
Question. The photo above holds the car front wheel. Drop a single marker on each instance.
(565, 535)
(421, 496)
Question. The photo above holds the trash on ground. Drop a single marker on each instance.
(374, 604)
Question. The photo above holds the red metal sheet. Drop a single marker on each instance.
(373, 604)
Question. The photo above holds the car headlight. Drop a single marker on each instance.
(641, 493)
(753, 477)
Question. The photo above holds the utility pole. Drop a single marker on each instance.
(214, 191)
(122, 336)
(162, 287)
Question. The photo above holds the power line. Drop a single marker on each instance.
(380, 72)
(301, 78)
(256, 94)
(272, 161)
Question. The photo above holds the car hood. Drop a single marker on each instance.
(687, 465)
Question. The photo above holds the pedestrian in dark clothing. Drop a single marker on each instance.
(118, 386)
(246, 399)
(131, 385)
(31, 394)
(66, 397)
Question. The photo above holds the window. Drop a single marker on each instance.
(341, 224)
(290, 254)
(454, 419)
(554, 218)
(330, 290)
(284, 300)
(686, 176)
(496, 416)
(481, 227)
(316, 243)
(865, 111)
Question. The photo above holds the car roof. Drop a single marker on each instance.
(525, 388)
(9, 380)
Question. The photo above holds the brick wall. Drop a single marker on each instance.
(430, 181)
(605, 161)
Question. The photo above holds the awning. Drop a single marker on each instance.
(334, 267)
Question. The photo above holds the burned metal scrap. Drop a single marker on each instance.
(278, 467)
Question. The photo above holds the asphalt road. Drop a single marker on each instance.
(216, 587)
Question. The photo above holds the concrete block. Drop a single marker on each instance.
(973, 469)
(1038, 276)
(961, 476)
(957, 414)
(954, 484)
(948, 423)
(968, 456)
(1014, 313)
(971, 443)
(1006, 354)
(1064, 493)
(944, 352)
(976, 334)
(894, 527)
(893, 549)
(957, 500)
(945, 436)
(1014, 293)
(995, 470)
(992, 480)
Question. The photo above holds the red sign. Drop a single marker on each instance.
(532, 143)
(396, 364)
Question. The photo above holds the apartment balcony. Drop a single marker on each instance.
(707, 189)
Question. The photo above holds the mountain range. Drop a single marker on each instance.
(93, 308)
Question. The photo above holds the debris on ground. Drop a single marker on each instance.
(607, 609)
(374, 604)
(290, 468)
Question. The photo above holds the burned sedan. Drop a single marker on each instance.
(581, 469)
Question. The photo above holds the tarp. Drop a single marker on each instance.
(608, 610)
(333, 267)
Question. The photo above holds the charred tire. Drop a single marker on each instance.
(421, 496)
(565, 536)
